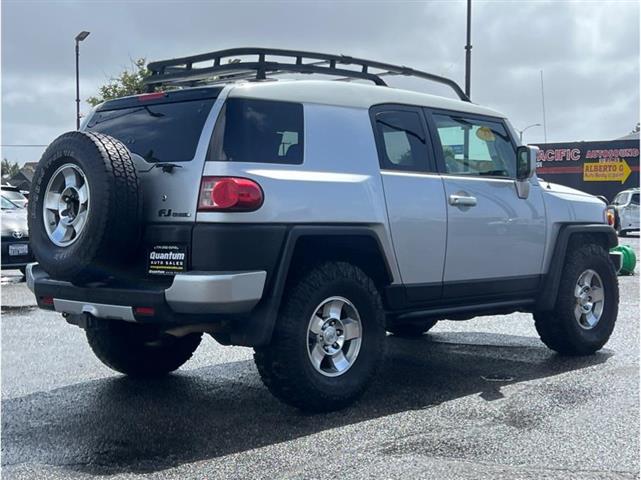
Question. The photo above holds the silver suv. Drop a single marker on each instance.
(305, 218)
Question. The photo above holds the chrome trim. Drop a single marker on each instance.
(205, 292)
(98, 310)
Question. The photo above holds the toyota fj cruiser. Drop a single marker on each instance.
(304, 218)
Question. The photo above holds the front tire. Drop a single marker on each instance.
(139, 350)
(328, 341)
(587, 304)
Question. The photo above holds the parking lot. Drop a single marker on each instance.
(476, 399)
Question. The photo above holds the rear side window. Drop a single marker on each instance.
(401, 140)
(259, 131)
(158, 133)
(635, 199)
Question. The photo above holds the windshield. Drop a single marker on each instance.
(166, 132)
(11, 195)
(620, 199)
(7, 205)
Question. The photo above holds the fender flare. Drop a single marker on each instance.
(549, 290)
(256, 330)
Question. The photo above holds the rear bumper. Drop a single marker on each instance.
(191, 296)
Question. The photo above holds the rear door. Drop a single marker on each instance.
(164, 128)
(495, 240)
(414, 198)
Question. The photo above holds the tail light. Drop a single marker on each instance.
(229, 194)
(148, 97)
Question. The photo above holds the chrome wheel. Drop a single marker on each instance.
(334, 336)
(66, 205)
(589, 295)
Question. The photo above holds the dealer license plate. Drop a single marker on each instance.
(167, 259)
(19, 249)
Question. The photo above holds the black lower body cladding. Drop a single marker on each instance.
(85, 208)
(237, 247)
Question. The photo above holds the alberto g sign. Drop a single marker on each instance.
(600, 168)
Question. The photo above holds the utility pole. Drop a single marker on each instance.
(545, 131)
(79, 38)
(468, 49)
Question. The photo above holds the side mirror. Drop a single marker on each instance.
(525, 162)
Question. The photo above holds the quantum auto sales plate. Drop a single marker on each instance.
(167, 259)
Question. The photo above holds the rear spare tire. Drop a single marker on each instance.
(85, 207)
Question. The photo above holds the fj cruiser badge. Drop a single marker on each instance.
(168, 212)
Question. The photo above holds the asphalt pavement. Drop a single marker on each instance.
(477, 399)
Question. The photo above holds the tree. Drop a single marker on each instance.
(9, 168)
(637, 128)
(129, 82)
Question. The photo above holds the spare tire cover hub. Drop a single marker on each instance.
(66, 205)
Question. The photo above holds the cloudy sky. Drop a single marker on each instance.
(588, 51)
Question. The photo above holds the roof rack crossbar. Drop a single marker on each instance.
(182, 70)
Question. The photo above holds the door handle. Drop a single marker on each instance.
(462, 201)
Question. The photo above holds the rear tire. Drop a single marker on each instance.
(409, 330)
(138, 350)
(299, 367)
(573, 328)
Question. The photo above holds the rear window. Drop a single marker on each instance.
(166, 132)
(259, 131)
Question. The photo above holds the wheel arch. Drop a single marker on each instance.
(304, 247)
(568, 237)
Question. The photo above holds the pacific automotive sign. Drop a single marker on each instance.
(600, 168)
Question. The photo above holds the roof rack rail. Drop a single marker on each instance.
(227, 67)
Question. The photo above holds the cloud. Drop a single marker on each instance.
(589, 53)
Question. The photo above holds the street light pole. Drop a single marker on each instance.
(79, 38)
(468, 50)
(529, 126)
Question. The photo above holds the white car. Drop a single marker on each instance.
(626, 208)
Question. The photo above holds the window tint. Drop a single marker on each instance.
(260, 131)
(475, 147)
(635, 199)
(402, 140)
(166, 132)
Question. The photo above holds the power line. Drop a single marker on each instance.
(22, 145)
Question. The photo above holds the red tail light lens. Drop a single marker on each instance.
(229, 194)
(148, 97)
(145, 311)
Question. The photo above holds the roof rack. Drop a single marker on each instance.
(227, 67)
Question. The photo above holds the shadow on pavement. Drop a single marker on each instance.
(118, 425)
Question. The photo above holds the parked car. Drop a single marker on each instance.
(625, 207)
(14, 195)
(16, 253)
(304, 218)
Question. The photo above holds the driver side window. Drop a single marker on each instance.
(475, 147)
